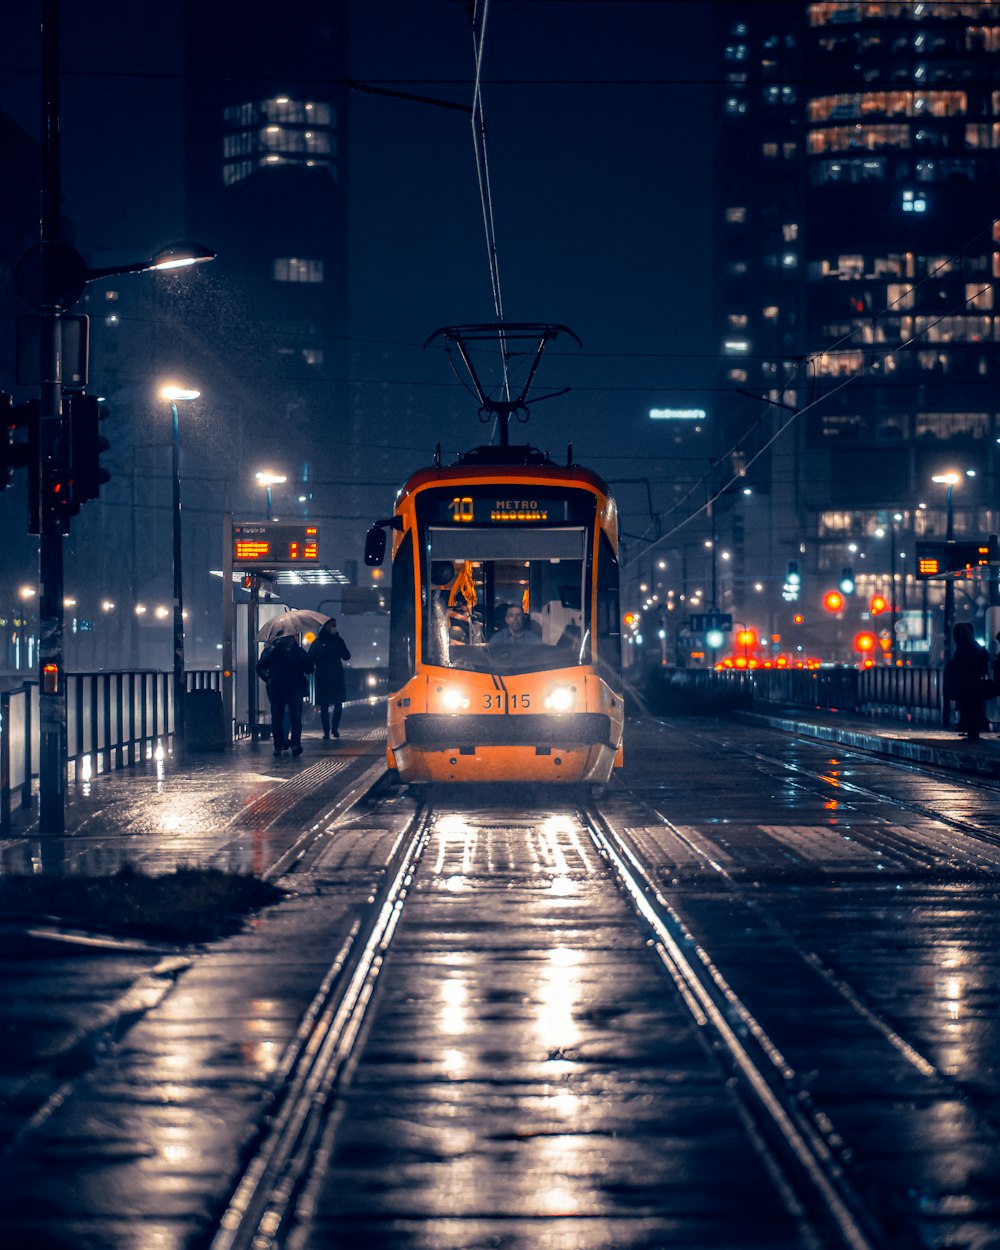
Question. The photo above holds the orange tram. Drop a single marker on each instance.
(479, 691)
(504, 625)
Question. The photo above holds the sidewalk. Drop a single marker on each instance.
(232, 809)
(918, 742)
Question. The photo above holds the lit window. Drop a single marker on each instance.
(914, 203)
(290, 269)
(738, 321)
(736, 215)
(736, 347)
(770, 313)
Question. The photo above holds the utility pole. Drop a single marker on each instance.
(52, 685)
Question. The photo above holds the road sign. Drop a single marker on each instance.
(275, 544)
(700, 622)
(938, 557)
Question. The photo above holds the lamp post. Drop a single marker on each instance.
(173, 395)
(267, 480)
(950, 480)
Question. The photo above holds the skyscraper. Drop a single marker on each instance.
(857, 181)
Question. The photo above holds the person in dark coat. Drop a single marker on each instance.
(285, 667)
(966, 681)
(328, 654)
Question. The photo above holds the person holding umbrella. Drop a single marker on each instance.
(328, 653)
(284, 667)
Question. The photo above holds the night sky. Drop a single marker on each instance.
(599, 162)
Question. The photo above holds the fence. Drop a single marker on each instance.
(906, 694)
(113, 720)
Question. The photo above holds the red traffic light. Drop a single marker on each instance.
(833, 601)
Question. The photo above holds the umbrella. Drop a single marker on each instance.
(295, 621)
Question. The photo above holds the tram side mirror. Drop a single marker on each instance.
(375, 546)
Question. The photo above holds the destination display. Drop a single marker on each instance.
(274, 544)
(515, 507)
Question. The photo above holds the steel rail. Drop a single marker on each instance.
(320, 1058)
(761, 1071)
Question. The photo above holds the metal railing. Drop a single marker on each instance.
(904, 694)
(113, 721)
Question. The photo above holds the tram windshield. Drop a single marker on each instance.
(510, 600)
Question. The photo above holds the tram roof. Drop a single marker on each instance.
(511, 462)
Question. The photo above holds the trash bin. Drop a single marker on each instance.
(204, 726)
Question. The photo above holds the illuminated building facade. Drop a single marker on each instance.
(857, 185)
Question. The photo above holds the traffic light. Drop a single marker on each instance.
(16, 454)
(793, 582)
(86, 444)
(846, 582)
(833, 601)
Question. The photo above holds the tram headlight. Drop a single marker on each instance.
(453, 700)
(561, 699)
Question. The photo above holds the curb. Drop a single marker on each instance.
(964, 758)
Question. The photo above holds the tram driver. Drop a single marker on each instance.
(517, 629)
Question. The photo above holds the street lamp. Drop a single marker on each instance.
(950, 479)
(173, 395)
(267, 480)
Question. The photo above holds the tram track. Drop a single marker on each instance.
(797, 1146)
(965, 858)
(528, 865)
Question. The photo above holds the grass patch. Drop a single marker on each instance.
(188, 905)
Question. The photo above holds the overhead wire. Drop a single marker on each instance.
(479, 144)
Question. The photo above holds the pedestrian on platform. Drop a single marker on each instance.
(284, 666)
(967, 681)
(328, 653)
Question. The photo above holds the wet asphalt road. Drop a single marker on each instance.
(530, 1078)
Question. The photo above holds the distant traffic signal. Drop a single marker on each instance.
(846, 582)
(15, 453)
(793, 582)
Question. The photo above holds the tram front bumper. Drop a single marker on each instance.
(435, 732)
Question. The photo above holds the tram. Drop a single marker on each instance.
(505, 646)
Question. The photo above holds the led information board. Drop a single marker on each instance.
(939, 558)
(274, 544)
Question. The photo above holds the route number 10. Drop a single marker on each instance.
(461, 508)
